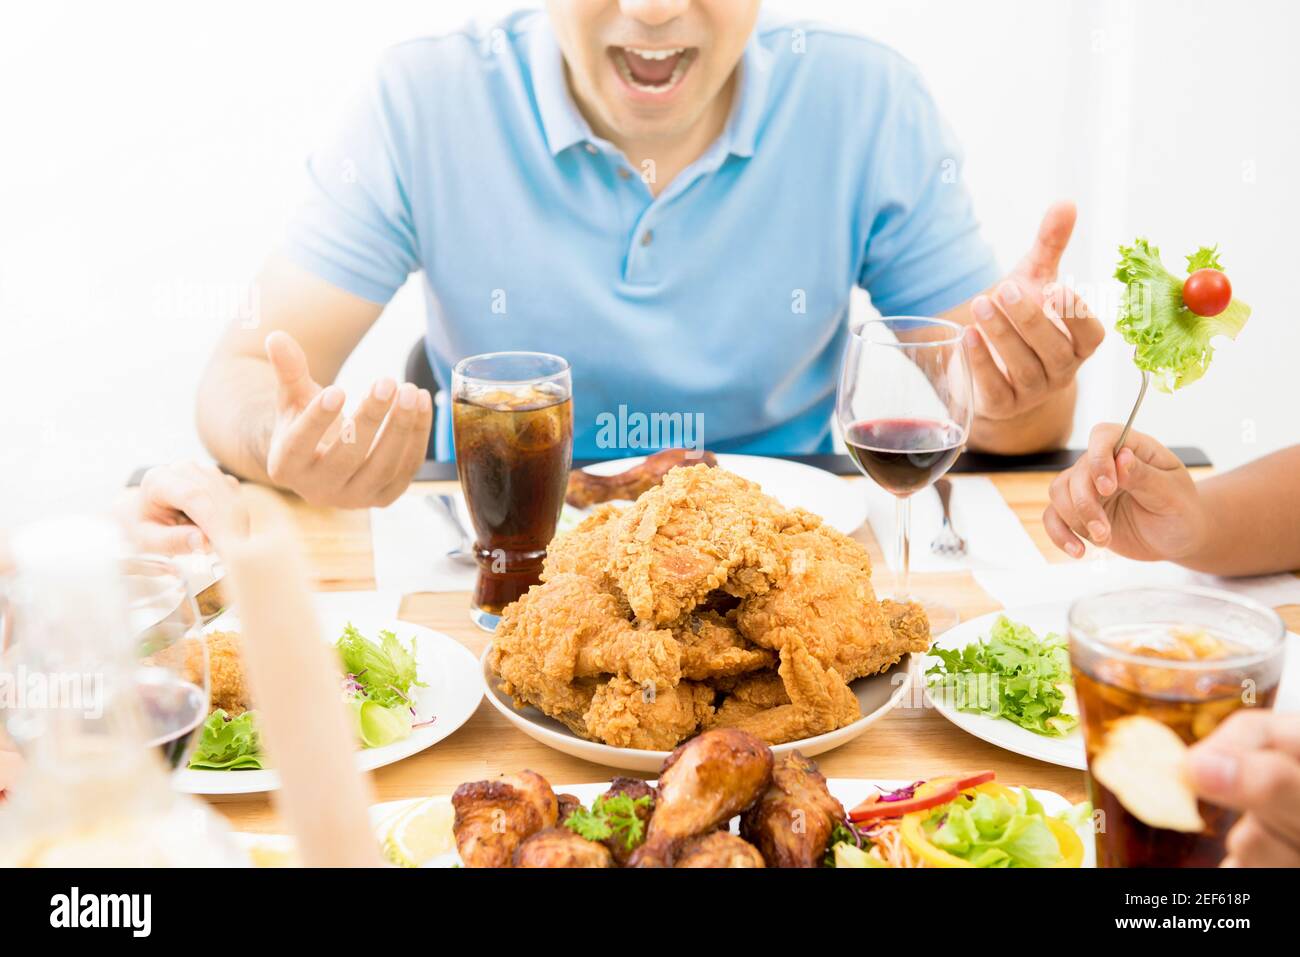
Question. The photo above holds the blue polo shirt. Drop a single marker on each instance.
(722, 301)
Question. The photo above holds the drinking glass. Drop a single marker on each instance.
(1186, 657)
(904, 408)
(512, 422)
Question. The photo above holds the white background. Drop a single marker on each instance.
(150, 153)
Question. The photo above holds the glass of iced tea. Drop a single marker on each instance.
(1182, 658)
(512, 419)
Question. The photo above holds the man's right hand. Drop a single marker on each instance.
(365, 461)
(1141, 503)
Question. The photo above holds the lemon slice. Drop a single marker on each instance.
(420, 833)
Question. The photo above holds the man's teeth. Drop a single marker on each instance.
(655, 54)
(678, 69)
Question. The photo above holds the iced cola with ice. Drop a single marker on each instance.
(512, 417)
(1186, 659)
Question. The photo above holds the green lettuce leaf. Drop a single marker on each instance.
(385, 671)
(379, 725)
(1171, 341)
(1012, 674)
(229, 744)
(995, 831)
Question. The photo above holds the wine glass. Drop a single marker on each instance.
(904, 408)
(171, 676)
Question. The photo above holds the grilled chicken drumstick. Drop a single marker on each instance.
(494, 817)
(587, 489)
(704, 783)
(793, 820)
(634, 788)
(560, 847)
(719, 849)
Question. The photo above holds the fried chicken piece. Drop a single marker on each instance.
(560, 847)
(494, 817)
(688, 536)
(820, 701)
(704, 783)
(228, 689)
(585, 549)
(588, 489)
(713, 648)
(636, 789)
(908, 622)
(792, 822)
(827, 601)
(719, 849)
(625, 714)
(567, 628)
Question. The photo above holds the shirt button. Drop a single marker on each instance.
(591, 148)
(623, 173)
(647, 237)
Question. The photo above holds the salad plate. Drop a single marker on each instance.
(877, 695)
(1048, 618)
(451, 694)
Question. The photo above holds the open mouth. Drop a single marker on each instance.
(652, 71)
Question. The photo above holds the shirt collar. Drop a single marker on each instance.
(565, 126)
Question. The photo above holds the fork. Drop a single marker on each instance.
(947, 542)
(445, 506)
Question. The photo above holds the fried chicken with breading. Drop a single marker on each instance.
(712, 647)
(792, 822)
(628, 715)
(689, 536)
(494, 817)
(819, 701)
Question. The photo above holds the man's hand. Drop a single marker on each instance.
(1027, 337)
(364, 461)
(182, 508)
(1251, 763)
(1141, 503)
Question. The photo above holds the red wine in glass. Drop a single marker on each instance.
(174, 710)
(904, 455)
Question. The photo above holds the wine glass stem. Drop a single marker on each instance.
(904, 547)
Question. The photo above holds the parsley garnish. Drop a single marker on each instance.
(610, 816)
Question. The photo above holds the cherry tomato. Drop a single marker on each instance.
(1207, 292)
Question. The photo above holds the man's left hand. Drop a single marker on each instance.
(1029, 334)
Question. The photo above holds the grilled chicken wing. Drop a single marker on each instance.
(560, 847)
(588, 489)
(494, 817)
(793, 820)
(719, 849)
(704, 783)
(566, 804)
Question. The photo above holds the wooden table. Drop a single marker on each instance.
(910, 742)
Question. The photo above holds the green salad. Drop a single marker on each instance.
(1170, 321)
(1011, 674)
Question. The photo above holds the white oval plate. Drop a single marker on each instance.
(452, 694)
(848, 791)
(841, 504)
(877, 695)
(1066, 751)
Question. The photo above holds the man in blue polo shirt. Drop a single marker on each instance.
(675, 195)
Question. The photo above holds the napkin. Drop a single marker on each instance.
(994, 536)
(410, 543)
(1107, 571)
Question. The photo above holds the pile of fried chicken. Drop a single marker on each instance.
(786, 813)
(705, 604)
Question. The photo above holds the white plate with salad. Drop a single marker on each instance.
(407, 687)
(1005, 678)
